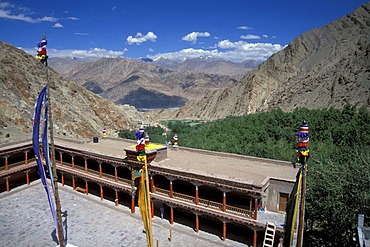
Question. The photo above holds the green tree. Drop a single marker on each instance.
(156, 134)
(336, 194)
(126, 134)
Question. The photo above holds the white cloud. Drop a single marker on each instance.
(4, 4)
(226, 44)
(5, 14)
(250, 36)
(186, 53)
(72, 18)
(58, 25)
(47, 18)
(82, 34)
(269, 37)
(92, 52)
(139, 38)
(192, 37)
(262, 50)
(13, 12)
(233, 51)
(244, 28)
(96, 52)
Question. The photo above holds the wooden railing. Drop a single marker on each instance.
(13, 165)
(183, 197)
(208, 203)
(162, 191)
(104, 175)
(240, 211)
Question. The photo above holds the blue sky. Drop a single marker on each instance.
(235, 30)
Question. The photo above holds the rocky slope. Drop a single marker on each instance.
(77, 112)
(209, 66)
(325, 67)
(123, 81)
(63, 65)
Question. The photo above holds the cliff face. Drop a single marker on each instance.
(325, 67)
(76, 111)
(328, 66)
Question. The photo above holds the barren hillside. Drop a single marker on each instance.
(325, 67)
(77, 112)
(144, 85)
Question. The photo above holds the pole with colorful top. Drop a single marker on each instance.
(303, 153)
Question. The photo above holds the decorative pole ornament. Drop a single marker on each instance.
(104, 132)
(41, 51)
(302, 137)
(140, 147)
(175, 141)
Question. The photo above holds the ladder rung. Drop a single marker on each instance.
(269, 235)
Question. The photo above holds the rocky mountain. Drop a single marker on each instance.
(65, 64)
(209, 66)
(77, 112)
(324, 67)
(145, 85)
(202, 64)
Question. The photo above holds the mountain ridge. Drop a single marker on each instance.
(77, 112)
(118, 78)
(322, 68)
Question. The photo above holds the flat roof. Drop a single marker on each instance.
(235, 168)
(239, 168)
(90, 222)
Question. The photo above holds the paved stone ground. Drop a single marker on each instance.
(25, 220)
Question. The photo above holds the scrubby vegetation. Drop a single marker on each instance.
(338, 181)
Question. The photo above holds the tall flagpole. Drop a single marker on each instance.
(302, 207)
(55, 176)
(303, 138)
(144, 194)
(148, 206)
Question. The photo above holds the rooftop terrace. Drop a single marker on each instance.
(244, 169)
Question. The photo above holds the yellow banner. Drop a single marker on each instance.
(144, 205)
(296, 208)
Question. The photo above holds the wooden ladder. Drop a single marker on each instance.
(269, 235)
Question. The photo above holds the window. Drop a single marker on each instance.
(283, 199)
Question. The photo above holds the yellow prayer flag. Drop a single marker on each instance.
(144, 205)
